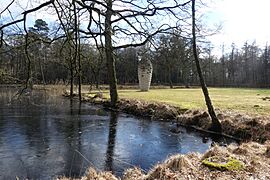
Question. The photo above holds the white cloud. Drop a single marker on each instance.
(243, 20)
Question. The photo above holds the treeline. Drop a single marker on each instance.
(53, 62)
(173, 64)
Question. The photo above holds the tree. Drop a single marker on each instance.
(133, 22)
(109, 53)
(69, 21)
(223, 67)
(40, 27)
(127, 65)
(232, 66)
(264, 67)
(216, 126)
(37, 35)
(166, 58)
(172, 59)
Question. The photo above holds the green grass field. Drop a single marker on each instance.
(245, 100)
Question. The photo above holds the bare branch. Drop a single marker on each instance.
(146, 39)
(147, 12)
(27, 12)
(7, 7)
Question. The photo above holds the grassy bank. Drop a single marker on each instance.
(246, 100)
(243, 113)
(249, 101)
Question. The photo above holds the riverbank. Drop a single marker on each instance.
(250, 159)
(238, 125)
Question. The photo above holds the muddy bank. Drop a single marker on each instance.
(250, 161)
(237, 125)
(240, 126)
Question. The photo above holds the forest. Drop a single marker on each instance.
(52, 62)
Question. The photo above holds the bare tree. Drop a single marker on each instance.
(216, 126)
(131, 21)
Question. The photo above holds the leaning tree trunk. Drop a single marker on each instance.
(216, 126)
(110, 62)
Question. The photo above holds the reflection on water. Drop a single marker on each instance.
(111, 141)
(43, 136)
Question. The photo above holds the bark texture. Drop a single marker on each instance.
(110, 61)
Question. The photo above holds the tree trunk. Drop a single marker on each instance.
(77, 51)
(223, 67)
(71, 82)
(79, 74)
(96, 76)
(170, 77)
(216, 126)
(42, 73)
(80, 84)
(110, 61)
(71, 73)
(97, 80)
(40, 64)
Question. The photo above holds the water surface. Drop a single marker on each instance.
(45, 135)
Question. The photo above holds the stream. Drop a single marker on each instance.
(44, 135)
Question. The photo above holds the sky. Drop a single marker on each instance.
(241, 20)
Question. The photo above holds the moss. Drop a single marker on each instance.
(229, 164)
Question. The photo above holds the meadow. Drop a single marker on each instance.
(251, 101)
(245, 100)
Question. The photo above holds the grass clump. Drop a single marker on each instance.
(223, 164)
